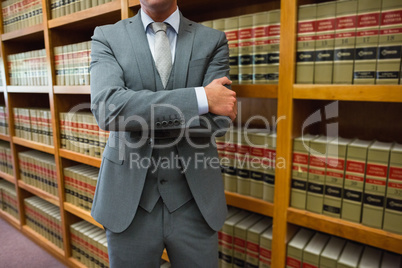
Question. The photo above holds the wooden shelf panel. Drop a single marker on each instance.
(83, 214)
(82, 158)
(133, 3)
(34, 145)
(349, 230)
(5, 137)
(39, 192)
(29, 89)
(72, 90)
(76, 263)
(13, 221)
(7, 177)
(377, 93)
(250, 203)
(35, 31)
(86, 15)
(44, 243)
(256, 91)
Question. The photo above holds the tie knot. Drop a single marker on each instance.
(159, 26)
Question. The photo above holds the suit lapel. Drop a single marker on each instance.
(144, 60)
(184, 46)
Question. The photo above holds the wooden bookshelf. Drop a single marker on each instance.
(249, 203)
(13, 221)
(85, 159)
(44, 243)
(256, 91)
(35, 31)
(83, 214)
(289, 101)
(34, 145)
(39, 192)
(7, 177)
(86, 90)
(5, 137)
(372, 93)
(360, 233)
(29, 89)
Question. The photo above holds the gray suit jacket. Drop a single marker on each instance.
(127, 101)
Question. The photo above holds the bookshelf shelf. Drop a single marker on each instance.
(349, 230)
(76, 263)
(86, 215)
(7, 177)
(72, 90)
(34, 145)
(133, 3)
(44, 243)
(38, 192)
(29, 89)
(13, 221)
(249, 203)
(85, 159)
(256, 91)
(5, 137)
(34, 32)
(372, 93)
(91, 16)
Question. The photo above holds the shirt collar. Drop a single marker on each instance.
(173, 20)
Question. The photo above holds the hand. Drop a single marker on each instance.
(221, 100)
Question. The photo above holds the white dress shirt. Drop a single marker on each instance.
(172, 31)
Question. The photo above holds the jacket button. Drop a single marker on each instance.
(164, 123)
(176, 122)
(158, 124)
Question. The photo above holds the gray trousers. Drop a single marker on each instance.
(188, 239)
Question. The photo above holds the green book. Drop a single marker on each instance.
(265, 248)
(367, 35)
(324, 43)
(311, 253)
(296, 245)
(334, 177)
(231, 28)
(246, 47)
(390, 43)
(274, 31)
(375, 184)
(260, 49)
(393, 198)
(332, 251)
(350, 256)
(306, 28)
(301, 154)
(371, 258)
(345, 31)
(253, 241)
(356, 160)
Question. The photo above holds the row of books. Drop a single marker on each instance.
(245, 240)
(28, 68)
(3, 121)
(352, 179)
(248, 160)
(8, 198)
(33, 124)
(6, 165)
(89, 245)
(253, 41)
(61, 8)
(44, 218)
(39, 170)
(308, 248)
(72, 64)
(349, 42)
(80, 133)
(19, 14)
(79, 185)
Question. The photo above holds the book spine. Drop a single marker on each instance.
(306, 28)
(315, 183)
(345, 32)
(324, 44)
(368, 22)
(231, 28)
(299, 177)
(246, 47)
(353, 188)
(390, 43)
(260, 49)
(273, 46)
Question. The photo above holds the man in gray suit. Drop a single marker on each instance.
(160, 184)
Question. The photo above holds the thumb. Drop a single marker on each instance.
(224, 81)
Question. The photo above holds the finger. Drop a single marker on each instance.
(224, 81)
